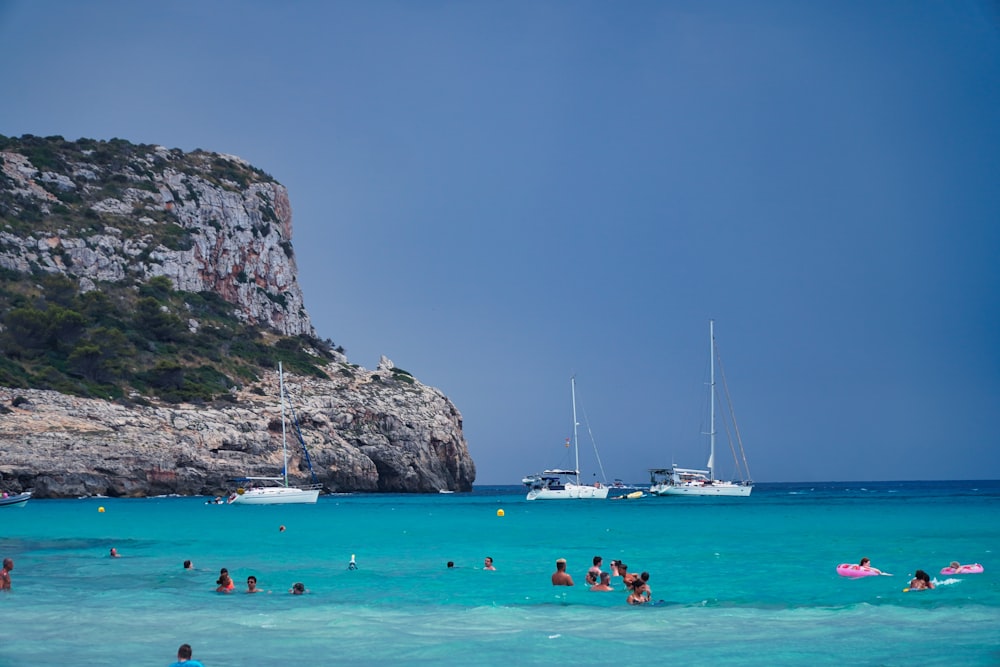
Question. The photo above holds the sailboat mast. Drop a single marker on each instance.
(711, 401)
(284, 447)
(576, 444)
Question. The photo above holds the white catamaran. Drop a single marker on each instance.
(564, 484)
(676, 481)
(275, 490)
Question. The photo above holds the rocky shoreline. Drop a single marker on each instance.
(368, 431)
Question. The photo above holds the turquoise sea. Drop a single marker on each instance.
(743, 581)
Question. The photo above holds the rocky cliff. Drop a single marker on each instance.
(364, 431)
(115, 211)
(109, 216)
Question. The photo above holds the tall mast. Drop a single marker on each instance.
(576, 444)
(711, 401)
(284, 448)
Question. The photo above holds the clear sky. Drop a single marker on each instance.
(501, 195)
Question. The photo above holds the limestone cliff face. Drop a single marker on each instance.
(118, 214)
(364, 431)
(209, 222)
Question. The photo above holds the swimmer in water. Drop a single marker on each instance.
(8, 565)
(604, 584)
(224, 582)
(866, 562)
(560, 577)
(594, 573)
(921, 581)
(636, 597)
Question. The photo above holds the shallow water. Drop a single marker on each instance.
(742, 581)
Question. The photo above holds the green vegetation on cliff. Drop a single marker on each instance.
(130, 338)
(128, 343)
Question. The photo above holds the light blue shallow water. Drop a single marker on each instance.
(744, 581)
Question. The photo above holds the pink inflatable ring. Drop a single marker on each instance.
(854, 571)
(975, 568)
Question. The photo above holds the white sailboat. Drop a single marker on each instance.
(676, 481)
(564, 484)
(275, 490)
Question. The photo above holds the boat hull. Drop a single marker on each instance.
(20, 500)
(569, 492)
(738, 490)
(284, 495)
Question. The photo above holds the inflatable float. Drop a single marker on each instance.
(974, 568)
(854, 571)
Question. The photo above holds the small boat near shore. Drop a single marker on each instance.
(276, 490)
(19, 500)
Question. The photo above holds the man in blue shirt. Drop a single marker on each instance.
(184, 658)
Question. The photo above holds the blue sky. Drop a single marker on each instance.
(501, 195)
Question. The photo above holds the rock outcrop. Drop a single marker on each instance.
(118, 214)
(364, 431)
(209, 222)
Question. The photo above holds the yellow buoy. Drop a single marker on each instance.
(100, 509)
(499, 512)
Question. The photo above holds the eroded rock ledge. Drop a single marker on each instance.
(365, 430)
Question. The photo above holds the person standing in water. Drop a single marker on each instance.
(225, 582)
(594, 573)
(604, 584)
(184, 658)
(8, 565)
(636, 596)
(560, 577)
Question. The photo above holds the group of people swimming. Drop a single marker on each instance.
(225, 583)
(636, 584)
(921, 581)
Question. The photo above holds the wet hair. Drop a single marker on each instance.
(922, 576)
(622, 566)
(597, 560)
(299, 587)
(251, 578)
(864, 562)
(605, 577)
(184, 652)
(187, 565)
(644, 576)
